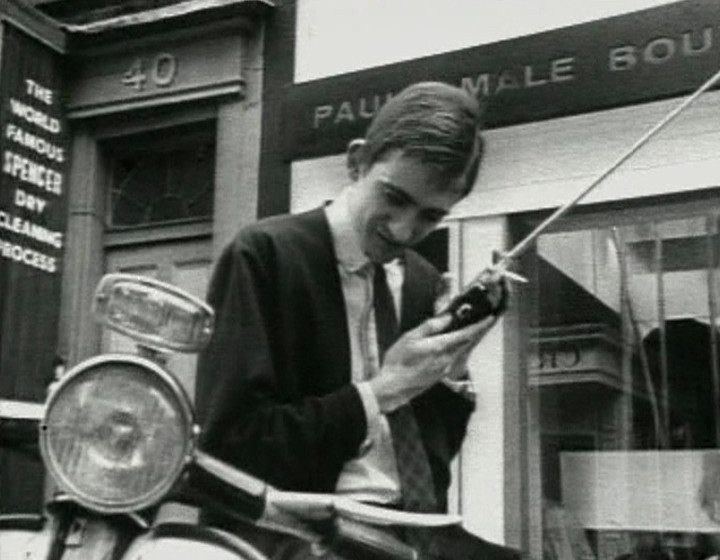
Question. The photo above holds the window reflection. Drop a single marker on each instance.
(625, 369)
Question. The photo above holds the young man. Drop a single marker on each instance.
(301, 385)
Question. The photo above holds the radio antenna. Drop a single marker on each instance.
(525, 243)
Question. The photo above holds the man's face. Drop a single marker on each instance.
(396, 202)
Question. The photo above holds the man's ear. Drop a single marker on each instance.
(355, 153)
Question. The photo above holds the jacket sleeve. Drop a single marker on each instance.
(248, 415)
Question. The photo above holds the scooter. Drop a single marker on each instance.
(118, 437)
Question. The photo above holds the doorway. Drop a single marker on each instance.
(185, 265)
(158, 220)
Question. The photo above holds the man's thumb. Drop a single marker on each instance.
(435, 325)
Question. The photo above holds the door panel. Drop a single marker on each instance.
(185, 265)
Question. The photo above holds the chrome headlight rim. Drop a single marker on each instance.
(189, 427)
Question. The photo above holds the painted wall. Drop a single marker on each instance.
(337, 36)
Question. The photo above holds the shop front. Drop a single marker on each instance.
(33, 202)
(130, 143)
(596, 432)
(597, 421)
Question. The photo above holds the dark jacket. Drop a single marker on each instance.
(274, 393)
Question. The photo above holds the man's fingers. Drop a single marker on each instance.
(445, 290)
(473, 331)
(434, 325)
(469, 335)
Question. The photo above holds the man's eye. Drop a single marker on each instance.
(433, 217)
(394, 198)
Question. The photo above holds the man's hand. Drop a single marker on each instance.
(497, 289)
(422, 357)
(486, 295)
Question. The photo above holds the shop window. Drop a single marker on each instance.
(625, 368)
(162, 177)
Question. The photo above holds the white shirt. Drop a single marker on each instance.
(373, 476)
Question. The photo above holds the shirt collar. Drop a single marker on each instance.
(345, 238)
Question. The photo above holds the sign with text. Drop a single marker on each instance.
(33, 210)
(152, 76)
(642, 56)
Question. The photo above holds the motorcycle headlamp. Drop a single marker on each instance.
(155, 314)
(117, 433)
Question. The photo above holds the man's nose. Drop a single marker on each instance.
(403, 229)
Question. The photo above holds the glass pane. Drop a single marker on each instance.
(159, 178)
(625, 377)
(113, 341)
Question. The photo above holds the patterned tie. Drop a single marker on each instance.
(412, 462)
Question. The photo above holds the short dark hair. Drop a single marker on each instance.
(438, 123)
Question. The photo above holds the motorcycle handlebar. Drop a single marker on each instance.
(228, 489)
(337, 523)
(358, 530)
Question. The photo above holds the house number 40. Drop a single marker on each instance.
(162, 70)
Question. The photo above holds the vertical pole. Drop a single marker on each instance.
(631, 331)
(627, 411)
(664, 389)
(711, 234)
(2, 32)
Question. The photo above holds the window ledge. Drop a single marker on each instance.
(159, 233)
